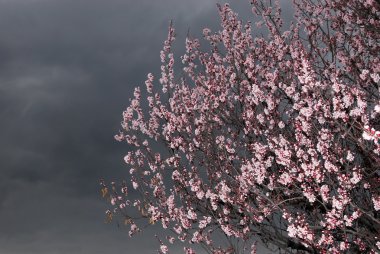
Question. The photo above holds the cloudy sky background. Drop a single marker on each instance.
(67, 69)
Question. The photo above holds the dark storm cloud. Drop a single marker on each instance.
(67, 68)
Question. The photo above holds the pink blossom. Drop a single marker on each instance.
(262, 124)
(164, 249)
(189, 250)
(350, 156)
(376, 203)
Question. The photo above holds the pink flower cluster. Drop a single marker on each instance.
(272, 133)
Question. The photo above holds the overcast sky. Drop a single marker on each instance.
(67, 69)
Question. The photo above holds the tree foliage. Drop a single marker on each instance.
(269, 137)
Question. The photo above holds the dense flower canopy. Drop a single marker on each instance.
(270, 138)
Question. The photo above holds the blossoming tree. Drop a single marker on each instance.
(266, 138)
